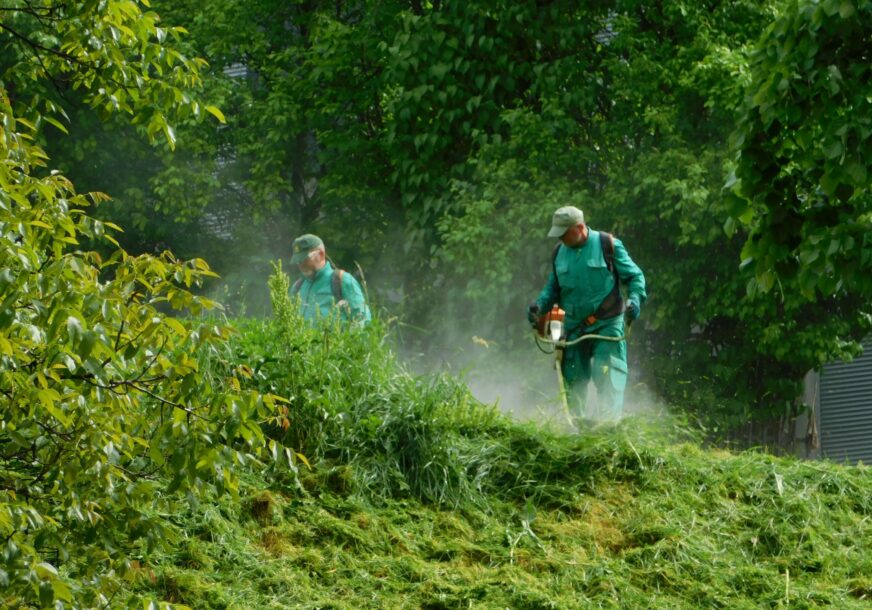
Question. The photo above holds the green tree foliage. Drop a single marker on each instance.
(114, 52)
(641, 147)
(111, 411)
(646, 157)
(450, 131)
(800, 185)
(803, 174)
(359, 109)
(300, 84)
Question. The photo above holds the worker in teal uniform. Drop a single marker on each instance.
(585, 281)
(324, 290)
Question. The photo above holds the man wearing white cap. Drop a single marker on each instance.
(588, 270)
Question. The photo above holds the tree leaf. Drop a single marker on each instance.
(216, 112)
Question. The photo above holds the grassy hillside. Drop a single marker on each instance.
(639, 526)
(420, 497)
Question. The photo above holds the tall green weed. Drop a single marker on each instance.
(353, 407)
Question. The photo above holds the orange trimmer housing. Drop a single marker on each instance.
(549, 322)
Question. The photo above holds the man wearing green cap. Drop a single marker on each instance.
(585, 281)
(323, 288)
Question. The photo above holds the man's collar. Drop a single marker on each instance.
(327, 267)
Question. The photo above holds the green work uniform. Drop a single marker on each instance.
(317, 300)
(582, 282)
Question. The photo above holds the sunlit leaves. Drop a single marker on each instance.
(116, 52)
(213, 110)
(103, 396)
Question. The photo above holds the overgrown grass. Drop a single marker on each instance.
(421, 497)
(385, 433)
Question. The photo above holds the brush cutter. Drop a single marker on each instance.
(550, 333)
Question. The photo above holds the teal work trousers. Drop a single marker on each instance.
(604, 363)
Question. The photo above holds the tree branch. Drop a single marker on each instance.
(163, 400)
(36, 46)
(30, 10)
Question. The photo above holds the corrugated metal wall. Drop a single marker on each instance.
(846, 409)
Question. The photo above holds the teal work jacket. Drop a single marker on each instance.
(317, 300)
(583, 280)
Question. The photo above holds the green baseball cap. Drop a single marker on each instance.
(563, 218)
(303, 245)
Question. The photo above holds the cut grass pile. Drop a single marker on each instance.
(652, 526)
(420, 497)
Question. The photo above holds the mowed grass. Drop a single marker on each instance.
(418, 496)
(689, 529)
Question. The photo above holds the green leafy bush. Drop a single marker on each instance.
(108, 417)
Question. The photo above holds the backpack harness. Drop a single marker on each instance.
(335, 284)
(613, 304)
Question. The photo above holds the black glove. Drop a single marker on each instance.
(533, 314)
(631, 314)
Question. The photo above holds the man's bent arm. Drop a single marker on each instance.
(630, 273)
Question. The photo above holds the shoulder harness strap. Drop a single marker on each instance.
(607, 241)
(336, 284)
(613, 304)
